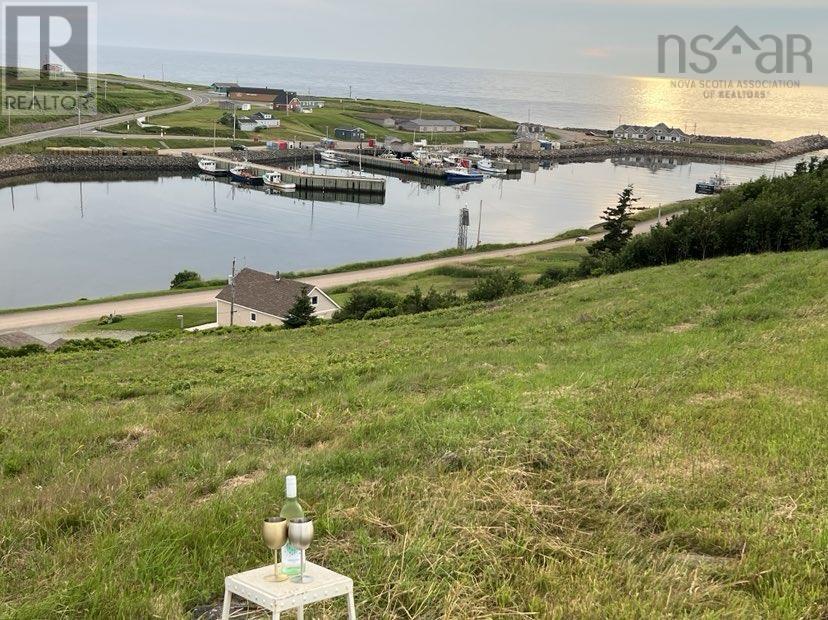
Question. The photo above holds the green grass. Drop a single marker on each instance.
(120, 99)
(158, 321)
(40, 146)
(200, 121)
(462, 277)
(649, 444)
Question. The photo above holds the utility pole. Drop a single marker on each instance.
(479, 222)
(233, 292)
(234, 122)
(214, 135)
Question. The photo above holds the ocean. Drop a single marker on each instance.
(559, 100)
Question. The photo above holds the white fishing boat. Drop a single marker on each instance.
(486, 165)
(274, 179)
(451, 160)
(463, 175)
(210, 166)
(388, 156)
(329, 156)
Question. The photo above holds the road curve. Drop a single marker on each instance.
(195, 99)
(75, 314)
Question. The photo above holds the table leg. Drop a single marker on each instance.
(225, 610)
(351, 605)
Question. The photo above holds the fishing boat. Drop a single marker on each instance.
(210, 166)
(388, 156)
(274, 179)
(715, 185)
(463, 175)
(486, 165)
(451, 160)
(241, 174)
(332, 157)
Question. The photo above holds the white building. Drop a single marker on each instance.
(261, 298)
(659, 133)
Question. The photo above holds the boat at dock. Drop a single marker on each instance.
(242, 174)
(329, 156)
(486, 165)
(274, 179)
(210, 166)
(463, 175)
(715, 185)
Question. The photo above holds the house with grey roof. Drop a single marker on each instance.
(658, 133)
(429, 125)
(258, 298)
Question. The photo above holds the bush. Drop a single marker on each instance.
(497, 284)
(415, 302)
(184, 276)
(379, 313)
(26, 349)
(109, 319)
(556, 275)
(88, 344)
(364, 299)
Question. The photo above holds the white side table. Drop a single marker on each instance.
(279, 596)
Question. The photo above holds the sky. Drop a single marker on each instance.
(607, 37)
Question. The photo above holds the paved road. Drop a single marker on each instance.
(196, 99)
(76, 314)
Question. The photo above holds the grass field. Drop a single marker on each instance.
(158, 321)
(650, 444)
(119, 99)
(347, 113)
(31, 148)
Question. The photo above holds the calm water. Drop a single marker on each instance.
(63, 240)
(559, 100)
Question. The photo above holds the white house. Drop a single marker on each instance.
(265, 120)
(659, 133)
(260, 298)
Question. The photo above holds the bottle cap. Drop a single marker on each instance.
(290, 486)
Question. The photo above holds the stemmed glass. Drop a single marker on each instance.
(275, 533)
(300, 534)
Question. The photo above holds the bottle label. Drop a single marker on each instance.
(291, 559)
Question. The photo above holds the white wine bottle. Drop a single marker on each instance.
(291, 556)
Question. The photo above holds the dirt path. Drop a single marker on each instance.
(76, 314)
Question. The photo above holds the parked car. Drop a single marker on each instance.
(581, 238)
(238, 147)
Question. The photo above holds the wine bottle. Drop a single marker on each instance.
(291, 556)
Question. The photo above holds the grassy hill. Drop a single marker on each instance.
(645, 444)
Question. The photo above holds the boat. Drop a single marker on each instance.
(274, 179)
(210, 166)
(486, 165)
(407, 160)
(474, 158)
(463, 175)
(451, 160)
(241, 174)
(388, 156)
(332, 157)
(715, 185)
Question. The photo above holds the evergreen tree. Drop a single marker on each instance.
(617, 223)
(301, 313)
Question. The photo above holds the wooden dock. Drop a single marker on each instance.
(308, 181)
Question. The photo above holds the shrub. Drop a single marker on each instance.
(26, 349)
(497, 284)
(364, 299)
(416, 302)
(556, 275)
(109, 319)
(88, 344)
(379, 313)
(184, 276)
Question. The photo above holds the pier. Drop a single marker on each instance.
(394, 165)
(307, 180)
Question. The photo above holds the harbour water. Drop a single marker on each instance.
(559, 100)
(60, 241)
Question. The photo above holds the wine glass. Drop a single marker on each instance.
(274, 532)
(300, 534)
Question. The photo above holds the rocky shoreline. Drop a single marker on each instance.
(12, 166)
(775, 152)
